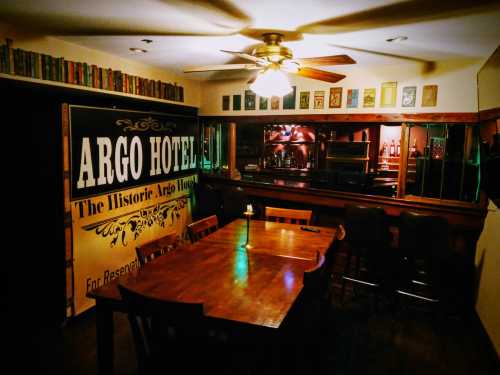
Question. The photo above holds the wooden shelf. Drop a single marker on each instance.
(87, 88)
(382, 163)
(347, 158)
(287, 143)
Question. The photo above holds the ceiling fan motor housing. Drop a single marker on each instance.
(272, 50)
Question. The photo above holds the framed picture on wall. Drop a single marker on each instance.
(335, 97)
(352, 98)
(388, 94)
(262, 103)
(409, 96)
(289, 99)
(249, 100)
(304, 99)
(236, 102)
(429, 96)
(319, 99)
(275, 102)
(225, 103)
(369, 98)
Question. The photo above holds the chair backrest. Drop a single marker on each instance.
(208, 201)
(149, 321)
(153, 249)
(234, 201)
(287, 215)
(315, 279)
(202, 228)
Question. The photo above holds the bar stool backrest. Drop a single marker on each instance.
(366, 227)
(423, 241)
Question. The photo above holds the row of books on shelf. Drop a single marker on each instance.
(30, 64)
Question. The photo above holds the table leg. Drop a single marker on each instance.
(105, 331)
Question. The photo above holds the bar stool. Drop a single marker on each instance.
(423, 244)
(368, 237)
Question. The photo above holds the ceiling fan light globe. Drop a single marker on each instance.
(271, 82)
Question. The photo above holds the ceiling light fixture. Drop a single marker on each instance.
(400, 38)
(137, 50)
(271, 82)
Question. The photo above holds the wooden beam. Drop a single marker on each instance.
(403, 157)
(444, 117)
(489, 114)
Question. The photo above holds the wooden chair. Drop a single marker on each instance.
(152, 320)
(153, 249)
(286, 215)
(313, 315)
(202, 228)
(316, 279)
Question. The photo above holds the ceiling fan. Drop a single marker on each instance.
(272, 59)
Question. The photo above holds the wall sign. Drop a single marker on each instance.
(128, 180)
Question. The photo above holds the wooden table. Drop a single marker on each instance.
(253, 287)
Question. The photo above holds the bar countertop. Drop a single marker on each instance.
(465, 214)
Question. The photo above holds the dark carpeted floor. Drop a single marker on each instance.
(355, 340)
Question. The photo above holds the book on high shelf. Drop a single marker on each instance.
(10, 52)
(95, 76)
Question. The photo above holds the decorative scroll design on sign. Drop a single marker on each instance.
(146, 124)
(118, 228)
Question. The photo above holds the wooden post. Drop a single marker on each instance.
(231, 160)
(403, 159)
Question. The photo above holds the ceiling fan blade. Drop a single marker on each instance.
(320, 75)
(247, 56)
(428, 65)
(222, 8)
(159, 18)
(325, 60)
(211, 68)
(399, 14)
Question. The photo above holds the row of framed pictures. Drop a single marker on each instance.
(387, 98)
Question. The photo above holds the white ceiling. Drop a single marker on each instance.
(192, 33)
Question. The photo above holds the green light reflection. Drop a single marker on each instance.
(240, 270)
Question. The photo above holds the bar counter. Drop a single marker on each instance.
(463, 215)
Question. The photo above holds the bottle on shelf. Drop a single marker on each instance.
(286, 160)
(385, 150)
(310, 160)
(398, 148)
(413, 149)
(392, 151)
(293, 161)
(333, 135)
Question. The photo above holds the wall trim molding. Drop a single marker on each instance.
(489, 114)
(442, 117)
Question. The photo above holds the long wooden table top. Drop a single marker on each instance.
(256, 286)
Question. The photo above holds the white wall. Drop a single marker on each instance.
(488, 266)
(59, 48)
(488, 81)
(456, 80)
